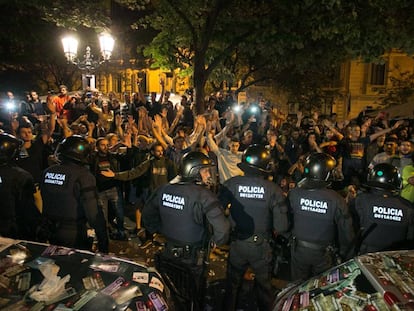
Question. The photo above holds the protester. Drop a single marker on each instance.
(161, 134)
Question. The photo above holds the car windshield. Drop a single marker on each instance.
(377, 281)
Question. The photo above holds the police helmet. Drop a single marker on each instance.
(9, 145)
(318, 166)
(384, 176)
(74, 148)
(191, 164)
(255, 157)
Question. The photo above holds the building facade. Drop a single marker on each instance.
(360, 85)
(363, 84)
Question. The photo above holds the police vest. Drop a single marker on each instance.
(60, 188)
(250, 205)
(313, 214)
(177, 204)
(391, 216)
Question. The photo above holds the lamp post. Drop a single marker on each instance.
(88, 63)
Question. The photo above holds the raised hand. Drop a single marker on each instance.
(50, 105)
(157, 121)
(397, 124)
(108, 173)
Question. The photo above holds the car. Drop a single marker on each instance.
(38, 276)
(370, 282)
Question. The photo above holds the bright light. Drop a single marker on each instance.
(236, 108)
(107, 45)
(174, 98)
(88, 63)
(70, 48)
(10, 106)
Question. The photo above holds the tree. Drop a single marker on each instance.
(198, 36)
(255, 41)
(31, 48)
(400, 89)
(250, 40)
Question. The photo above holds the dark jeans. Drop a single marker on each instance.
(114, 197)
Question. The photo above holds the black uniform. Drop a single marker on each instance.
(18, 214)
(177, 211)
(181, 212)
(321, 221)
(257, 207)
(390, 218)
(69, 202)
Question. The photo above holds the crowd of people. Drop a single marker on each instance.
(321, 183)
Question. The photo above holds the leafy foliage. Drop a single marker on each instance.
(244, 42)
(30, 54)
(31, 39)
(71, 16)
(401, 88)
(256, 41)
(201, 36)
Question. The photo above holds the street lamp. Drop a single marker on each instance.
(88, 64)
(70, 48)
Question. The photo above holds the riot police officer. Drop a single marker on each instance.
(70, 197)
(385, 218)
(18, 214)
(181, 210)
(258, 209)
(321, 220)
